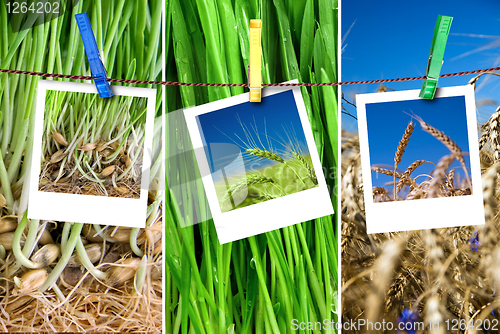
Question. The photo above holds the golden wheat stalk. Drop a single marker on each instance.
(403, 143)
(448, 142)
(380, 191)
(439, 175)
(386, 172)
(405, 178)
(493, 131)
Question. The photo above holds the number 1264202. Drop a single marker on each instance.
(15, 7)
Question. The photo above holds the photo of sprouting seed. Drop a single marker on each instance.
(418, 149)
(257, 152)
(92, 146)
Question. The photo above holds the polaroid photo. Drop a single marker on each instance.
(91, 156)
(420, 160)
(258, 163)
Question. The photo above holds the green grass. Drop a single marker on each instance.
(259, 284)
(129, 35)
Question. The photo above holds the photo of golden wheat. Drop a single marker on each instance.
(440, 183)
(448, 276)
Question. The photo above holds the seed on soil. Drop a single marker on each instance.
(46, 238)
(54, 175)
(59, 138)
(72, 275)
(46, 255)
(122, 190)
(102, 145)
(32, 280)
(106, 152)
(3, 202)
(90, 234)
(8, 224)
(122, 234)
(6, 240)
(114, 145)
(119, 275)
(58, 156)
(18, 303)
(88, 147)
(108, 171)
(126, 160)
(152, 235)
(65, 179)
(93, 251)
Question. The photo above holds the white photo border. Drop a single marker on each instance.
(269, 215)
(430, 212)
(126, 212)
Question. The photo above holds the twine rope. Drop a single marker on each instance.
(173, 83)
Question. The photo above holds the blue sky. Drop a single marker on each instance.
(276, 116)
(386, 124)
(392, 39)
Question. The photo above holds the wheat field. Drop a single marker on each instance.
(447, 276)
(440, 183)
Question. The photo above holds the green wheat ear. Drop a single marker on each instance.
(250, 180)
(310, 171)
(265, 154)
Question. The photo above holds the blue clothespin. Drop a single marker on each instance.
(435, 61)
(96, 66)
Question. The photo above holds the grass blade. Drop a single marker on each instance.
(307, 41)
(228, 23)
(183, 53)
(216, 71)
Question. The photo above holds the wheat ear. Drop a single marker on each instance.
(439, 174)
(265, 154)
(310, 171)
(380, 191)
(401, 150)
(387, 172)
(448, 142)
(451, 178)
(251, 180)
(405, 178)
(493, 131)
(485, 135)
(403, 143)
(443, 138)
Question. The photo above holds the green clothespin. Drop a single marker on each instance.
(441, 31)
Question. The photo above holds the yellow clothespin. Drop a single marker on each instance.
(255, 66)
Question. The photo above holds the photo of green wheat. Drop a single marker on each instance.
(95, 153)
(258, 284)
(270, 158)
(66, 276)
(439, 276)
